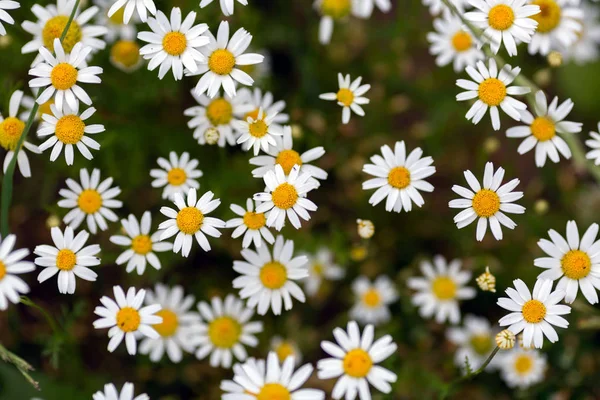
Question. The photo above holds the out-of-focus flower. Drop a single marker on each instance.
(364, 8)
(487, 281)
(372, 300)
(285, 348)
(12, 264)
(178, 174)
(586, 48)
(115, 25)
(350, 96)
(523, 368)
(321, 267)
(365, 228)
(335, 10)
(594, 144)
(475, 341)
(110, 393)
(450, 43)
(251, 224)
(125, 55)
(558, 26)
(505, 339)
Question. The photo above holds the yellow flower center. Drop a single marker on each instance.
(543, 129)
(128, 319)
(2, 270)
(345, 96)
(63, 76)
(357, 363)
(66, 260)
(486, 203)
(219, 112)
(273, 391)
(462, 41)
(174, 43)
(576, 264)
(89, 201)
(371, 298)
(482, 344)
(11, 130)
(252, 114)
(125, 53)
(258, 128)
(501, 17)
(141, 244)
(169, 325)
(549, 16)
(221, 62)
(254, 220)
(189, 220)
(444, 288)
(273, 275)
(492, 91)
(317, 269)
(287, 159)
(69, 129)
(534, 311)
(53, 30)
(224, 332)
(523, 364)
(284, 196)
(176, 177)
(399, 177)
(336, 8)
(118, 17)
(284, 350)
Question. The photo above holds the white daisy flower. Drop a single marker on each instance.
(222, 57)
(116, 26)
(177, 324)
(173, 44)
(364, 8)
(286, 196)
(59, 76)
(191, 221)
(594, 144)
(372, 300)
(11, 130)
(399, 177)
(123, 9)
(255, 100)
(67, 129)
(4, 16)
(91, 200)
(350, 96)
(283, 154)
(335, 10)
(285, 348)
(451, 43)
(110, 393)
(28, 102)
(219, 113)
(226, 5)
(125, 55)
(126, 318)
(268, 280)
(224, 331)
(576, 262)
(68, 257)
(321, 267)
(487, 203)
(559, 26)
(534, 314)
(586, 48)
(273, 380)
(354, 359)
(523, 368)
(475, 342)
(504, 21)
(437, 7)
(541, 131)
(11, 264)
(440, 290)
(492, 91)
(141, 243)
(251, 224)
(258, 133)
(176, 175)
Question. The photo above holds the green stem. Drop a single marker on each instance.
(446, 391)
(28, 302)
(7, 182)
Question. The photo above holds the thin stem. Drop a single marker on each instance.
(470, 376)
(23, 366)
(28, 302)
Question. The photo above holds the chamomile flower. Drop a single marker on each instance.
(256, 99)
(275, 380)
(110, 393)
(321, 267)
(575, 262)
(559, 25)
(354, 359)
(334, 10)
(91, 200)
(451, 43)
(67, 129)
(190, 220)
(226, 5)
(586, 48)
(437, 7)
(258, 133)
(523, 368)
(59, 76)
(251, 224)
(475, 342)
(4, 16)
(505, 21)
(218, 113)
(125, 55)
(176, 327)
(365, 7)
(441, 288)
(117, 27)
(173, 44)
(286, 196)
(488, 203)
(268, 280)
(492, 91)
(594, 144)
(399, 177)
(350, 96)
(372, 300)
(178, 174)
(12, 264)
(534, 314)
(126, 318)
(68, 257)
(222, 57)
(123, 9)
(141, 244)
(285, 348)
(541, 131)
(11, 130)
(224, 331)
